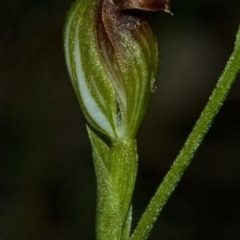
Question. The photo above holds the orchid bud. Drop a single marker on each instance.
(112, 58)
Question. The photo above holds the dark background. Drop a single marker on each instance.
(47, 182)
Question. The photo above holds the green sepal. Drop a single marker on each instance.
(90, 81)
(135, 51)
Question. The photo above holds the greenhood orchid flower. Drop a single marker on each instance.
(112, 58)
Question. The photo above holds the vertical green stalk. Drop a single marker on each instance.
(191, 145)
(116, 169)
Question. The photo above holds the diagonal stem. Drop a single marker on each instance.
(185, 156)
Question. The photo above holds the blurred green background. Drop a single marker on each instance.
(47, 182)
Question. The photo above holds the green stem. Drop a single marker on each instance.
(191, 145)
(116, 170)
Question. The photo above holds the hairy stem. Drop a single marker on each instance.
(191, 145)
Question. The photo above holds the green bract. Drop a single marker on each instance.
(112, 58)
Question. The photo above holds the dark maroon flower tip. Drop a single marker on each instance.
(148, 5)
